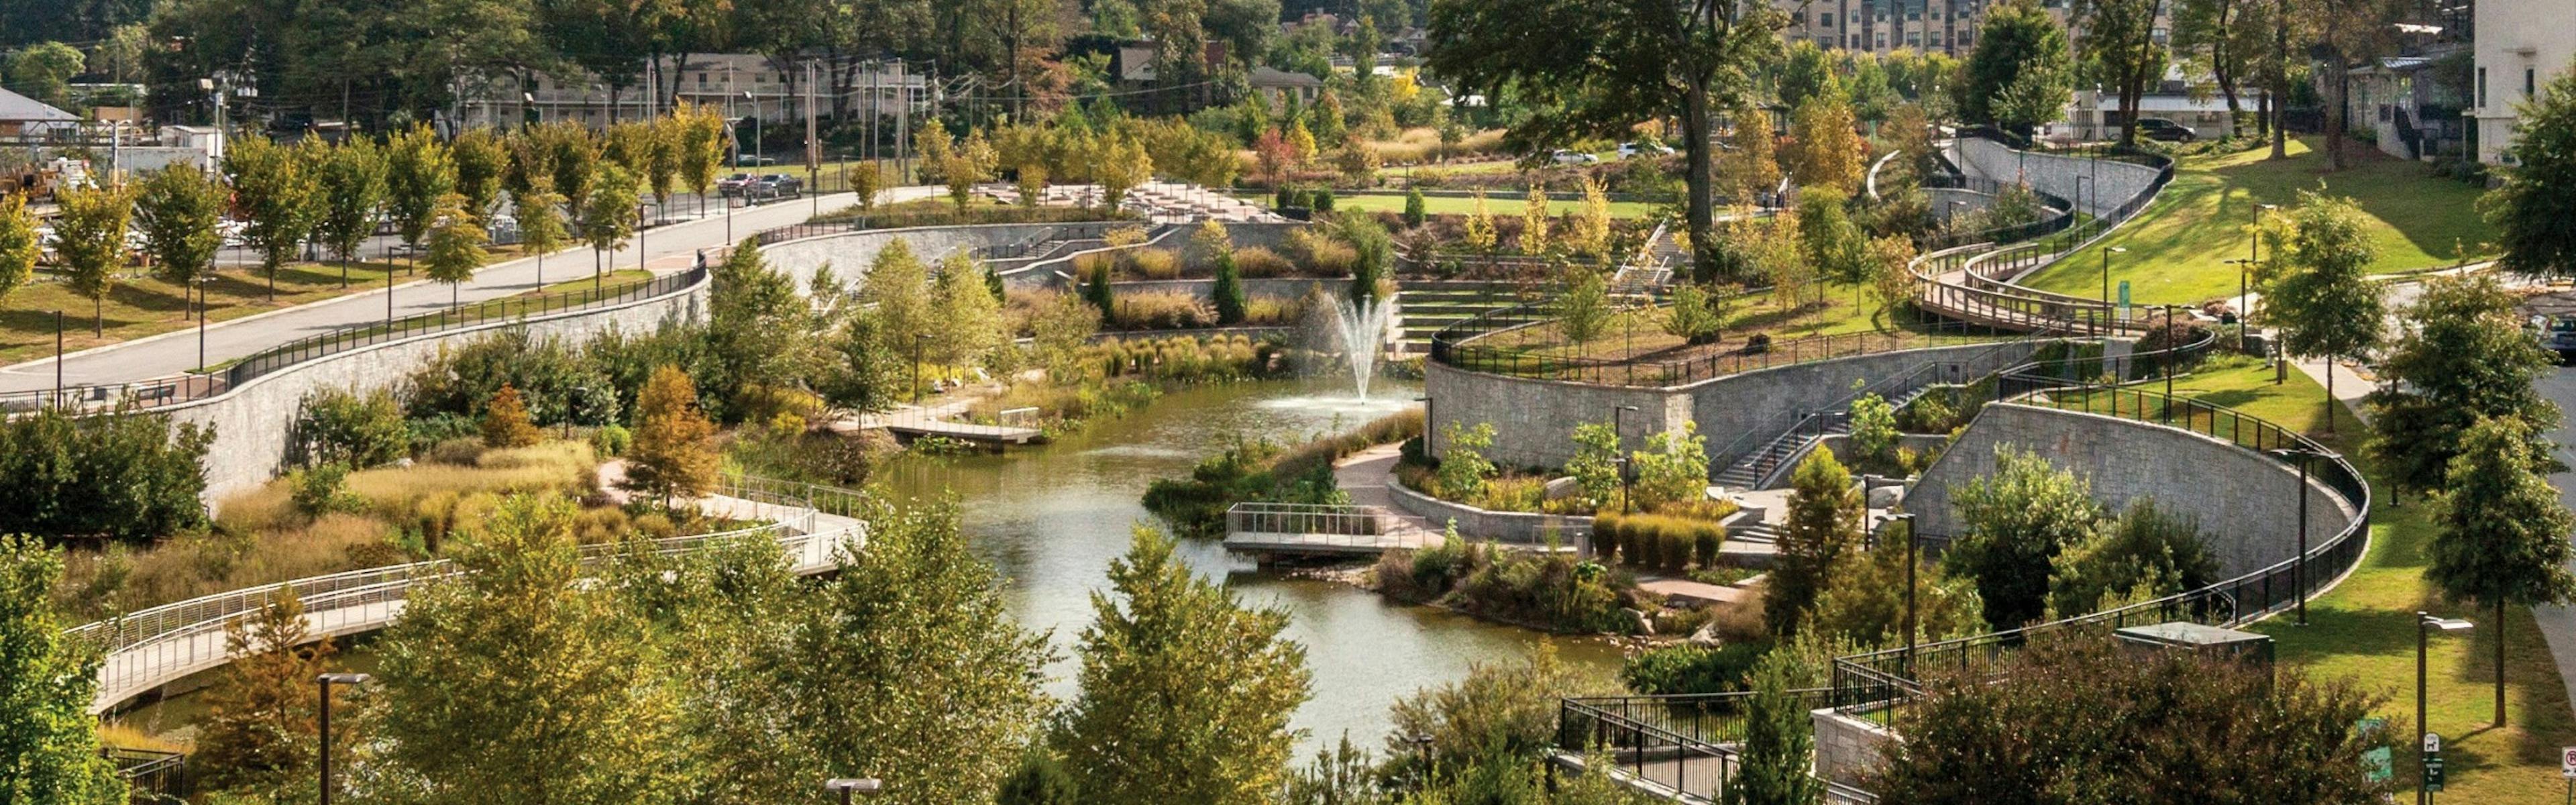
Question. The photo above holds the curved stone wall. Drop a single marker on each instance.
(850, 254)
(2056, 174)
(254, 422)
(2241, 499)
(1534, 419)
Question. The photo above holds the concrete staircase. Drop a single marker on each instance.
(1430, 305)
(1761, 465)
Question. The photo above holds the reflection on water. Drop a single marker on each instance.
(1052, 518)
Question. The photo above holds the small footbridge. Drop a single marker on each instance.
(1282, 530)
(812, 527)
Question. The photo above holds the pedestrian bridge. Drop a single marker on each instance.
(154, 647)
(1311, 529)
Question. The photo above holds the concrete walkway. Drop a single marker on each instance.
(663, 250)
(1364, 475)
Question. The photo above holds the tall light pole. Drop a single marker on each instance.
(1619, 442)
(1911, 551)
(2302, 456)
(325, 681)
(919, 340)
(845, 786)
(2107, 251)
(2244, 309)
(2172, 350)
(1421, 742)
(2425, 625)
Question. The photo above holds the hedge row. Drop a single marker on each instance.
(1657, 542)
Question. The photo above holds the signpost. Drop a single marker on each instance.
(2124, 300)
(2567, 769)
(2432, 765)
(2381, 762)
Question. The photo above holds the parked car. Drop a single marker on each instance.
(753, 160)
(2157, 128)
(1571, 157)
(2557, 334)
(777, 185)
(1633, 150)
(733, 185)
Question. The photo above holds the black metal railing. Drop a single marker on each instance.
(1528, 356)
(1686, 744)
(153, 775)
(159, 392)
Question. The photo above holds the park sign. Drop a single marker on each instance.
(2379, 764)
(2567, 762)
(2432, 762)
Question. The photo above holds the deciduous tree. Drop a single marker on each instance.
(2461, 354)
(19, 244)
(2325, 305)
(177, 210)
(274, 190)
(418, 172)
(260, 734)
(455, 245)
(354, 186)
(2018, 45)
(89, 236)
(675, 454)
(611, 217)
(48, 679)
(505, 420)
(480, 159)
(1825, 148)
(2534, 216)
(2502, 537)
(2015, 522)
(542, 229)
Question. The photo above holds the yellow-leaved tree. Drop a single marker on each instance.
(674, 454)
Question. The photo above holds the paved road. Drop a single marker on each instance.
(664, 249)
(2558, 624)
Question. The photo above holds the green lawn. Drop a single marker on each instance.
(2178, 247)
(1497, 204)
(2363, 630)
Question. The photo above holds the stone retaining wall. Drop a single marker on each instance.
(2241, 499)
(1534, 419)
(2055, 174)
(254, 422)
(1513, 528)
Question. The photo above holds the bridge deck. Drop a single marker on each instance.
(1361, 544)
(139, 669)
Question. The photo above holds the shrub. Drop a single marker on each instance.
(1672, 468)
(1321, 199)
(1257, 261)
(323, 489)
(1414, 208)
(505, 420)
(1322, 255)
(109, 473)
(1162, 310)
(1154, 264)
(1463, 467)
(612, 440)
(1686, 668)
(335, 426)
(1659, 541)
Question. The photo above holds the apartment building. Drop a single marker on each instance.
(741, 84)
(2520, 45)
(1879, 26)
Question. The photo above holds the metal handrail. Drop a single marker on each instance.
(1454, 346)
(172, 625)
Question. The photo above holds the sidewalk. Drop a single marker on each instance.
(663, 250)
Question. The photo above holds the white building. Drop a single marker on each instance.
(740, 84)
(2521, 45)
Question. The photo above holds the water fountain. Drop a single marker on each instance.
(1361, 326)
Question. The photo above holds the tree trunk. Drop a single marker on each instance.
(1697, 160)
(2342, 113)
(2499, 640)
(2280, 77)
(98, 316)
(2330, 398)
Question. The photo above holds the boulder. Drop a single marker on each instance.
(1561, 488)
(1645, 623)
(1881, 497)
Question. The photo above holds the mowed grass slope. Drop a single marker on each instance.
(2178, 248)
(2364, 629)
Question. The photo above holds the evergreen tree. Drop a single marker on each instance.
(1040, 780)
(1416, 209)
(260, 734)
(513, 682)
(2462, 354)
(1230, 303)
(505, 420)
(48, 740)
(675, 454)
(1779, 737)
(907, 663)
(1098, 292)
(2326, 305)
(1824, 523)
(2502, 537)
(89, 236)
(1186, 694)
(455, 246)
(2534, 215)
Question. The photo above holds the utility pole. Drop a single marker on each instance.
(902, 126)
(813, 147)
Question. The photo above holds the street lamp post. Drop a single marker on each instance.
(1911, 552)
(1422, 753)
(2425, 624)
(2244, 274)
(2106, 276)
(1619, 442)
(2299, 566)
(845, 786)
(2171, 351)
(919, 340)
(325, 681)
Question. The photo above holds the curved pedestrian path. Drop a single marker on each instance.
(154, 647)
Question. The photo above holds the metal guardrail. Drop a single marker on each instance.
(1454, 346)
(1986, 258)
(151, 774)
(1319, 519)
(160, 392)
(1685, 745)
(141, 646)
